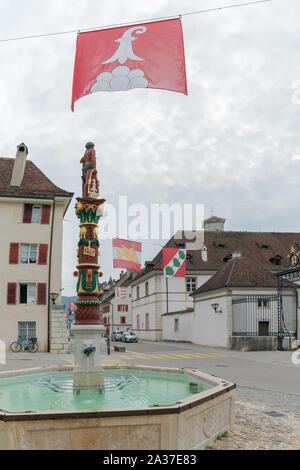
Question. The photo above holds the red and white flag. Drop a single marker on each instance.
(72, 307)
(148, 55)
(121, 292)
(127, 254)
(174, 262)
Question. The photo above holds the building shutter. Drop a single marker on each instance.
(126, 308)
(11, 293)
(14, 253)
(27, 214)
(119, 308)
(43, 252)
(41, 293)
(45, 214)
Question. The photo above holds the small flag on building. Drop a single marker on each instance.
(127, 254)
(121, 292)
(72, 307)
(174, 262)
(148, 55)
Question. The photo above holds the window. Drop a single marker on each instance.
(147, 288)
(122, 308)
(276, 260)
(180, 245)
(32, 293)
(188, 260)
(147, 321)
(219, 246)
(191, 284)
(28, 253)
(263, 246)
(138, 292)
(138, 321)
(176, 325)
(27, 293)
(263, 303)
(36, 215)
(122, 319)
(26, 329)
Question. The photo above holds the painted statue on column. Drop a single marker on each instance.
(88, 342)
(89, 209)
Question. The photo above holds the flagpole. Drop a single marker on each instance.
(167, 291)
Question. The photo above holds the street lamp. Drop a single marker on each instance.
(215, 307)
(53, 296)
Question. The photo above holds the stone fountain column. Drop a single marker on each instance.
(88, 333)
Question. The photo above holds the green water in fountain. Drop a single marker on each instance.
(123, 389)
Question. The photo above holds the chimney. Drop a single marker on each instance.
(19, 165)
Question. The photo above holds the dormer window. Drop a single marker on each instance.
(180, 245)
(263, 246)
(188, 260)
(276, 260)
(219, 246)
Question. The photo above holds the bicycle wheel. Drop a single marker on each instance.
(33, 347)
(15, 346)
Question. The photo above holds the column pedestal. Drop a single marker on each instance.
(88, 372)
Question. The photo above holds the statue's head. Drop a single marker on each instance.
(89, 145)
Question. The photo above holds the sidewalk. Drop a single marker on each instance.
(256, 430)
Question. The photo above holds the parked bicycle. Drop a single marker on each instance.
(31, 345)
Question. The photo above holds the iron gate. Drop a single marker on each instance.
(292, 275)
(255, 315)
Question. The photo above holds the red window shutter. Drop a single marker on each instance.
(41, 293)
(43, 252)
(11, 293)
(45, 219)
(27, 214)
(126, 309)
(14, 253)
(119, 308)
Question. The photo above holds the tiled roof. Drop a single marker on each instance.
(34, 182)
(241, 272)
(261, 246)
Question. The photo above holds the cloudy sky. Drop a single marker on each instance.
(232, 144)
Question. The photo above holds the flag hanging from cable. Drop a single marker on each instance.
(127, 254)
(174, 262)
(148, 55)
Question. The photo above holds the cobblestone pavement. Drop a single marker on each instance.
(256, 430)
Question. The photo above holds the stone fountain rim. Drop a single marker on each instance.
(221, 387)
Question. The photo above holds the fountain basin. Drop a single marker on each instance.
(191, 422)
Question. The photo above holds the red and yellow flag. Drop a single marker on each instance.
(127, 254)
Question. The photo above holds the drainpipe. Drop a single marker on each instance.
(297, 315)
(49, 276)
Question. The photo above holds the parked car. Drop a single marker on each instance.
(129, 337)
(117, 336)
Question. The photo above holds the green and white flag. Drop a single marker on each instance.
(174, 262)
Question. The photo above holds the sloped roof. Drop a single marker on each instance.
(248, 243)
(240, 272)
(34, 182)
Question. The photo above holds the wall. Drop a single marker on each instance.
(156, 302)
(59, 335)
